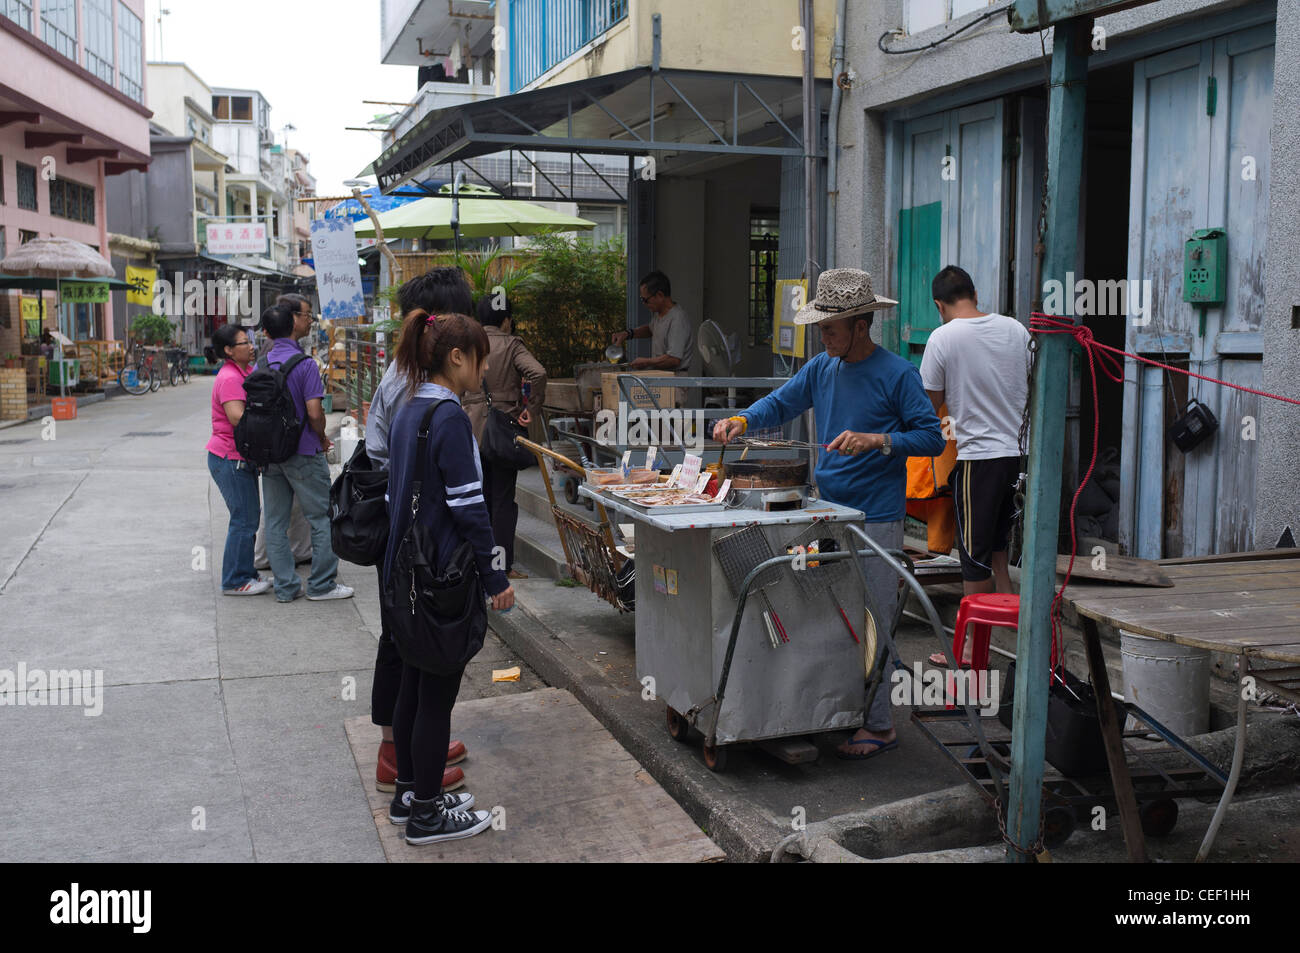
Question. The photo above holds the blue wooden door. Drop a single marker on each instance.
(1200, 159)
(951, 212)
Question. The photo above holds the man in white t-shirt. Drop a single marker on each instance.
(979, 364)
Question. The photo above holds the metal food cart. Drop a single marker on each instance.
(686, 603)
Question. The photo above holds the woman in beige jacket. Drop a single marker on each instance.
(509, 367)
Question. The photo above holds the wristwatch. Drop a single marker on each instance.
(887, 447)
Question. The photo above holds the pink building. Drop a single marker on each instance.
(72, 113)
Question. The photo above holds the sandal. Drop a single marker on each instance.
(880, 748)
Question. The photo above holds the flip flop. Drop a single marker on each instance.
(880, 747)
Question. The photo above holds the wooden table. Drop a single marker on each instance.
(1245, 604)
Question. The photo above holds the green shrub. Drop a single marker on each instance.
(153, 329)
(575, 299)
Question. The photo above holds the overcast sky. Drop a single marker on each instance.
(314, 62)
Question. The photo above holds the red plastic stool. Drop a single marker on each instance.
(982, 610)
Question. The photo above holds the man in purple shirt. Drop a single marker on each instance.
(306, 474)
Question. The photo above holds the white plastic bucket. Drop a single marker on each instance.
(1169, 682)
(349, 437)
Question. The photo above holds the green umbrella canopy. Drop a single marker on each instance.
(479, 218)
(34, 283)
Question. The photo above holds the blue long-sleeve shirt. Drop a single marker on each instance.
(451, 497)
(880, 394)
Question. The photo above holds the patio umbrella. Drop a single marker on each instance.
(479, 218)
(55, 258)
(352, 210)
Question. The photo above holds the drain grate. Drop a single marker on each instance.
(148, 433)
(8, 443)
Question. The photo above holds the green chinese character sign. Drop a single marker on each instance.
(90, 292)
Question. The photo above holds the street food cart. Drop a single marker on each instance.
(798, 660)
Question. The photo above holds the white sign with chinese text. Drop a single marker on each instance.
(338, 276)
(237, 238)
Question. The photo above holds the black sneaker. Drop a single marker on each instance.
(430, 824)
(399, 811)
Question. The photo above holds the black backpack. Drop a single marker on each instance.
(358, 514)
(438, 613)
(270, 429)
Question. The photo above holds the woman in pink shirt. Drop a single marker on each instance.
(236, 479)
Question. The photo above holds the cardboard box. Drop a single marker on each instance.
(666, 394)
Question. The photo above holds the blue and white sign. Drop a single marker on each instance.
(338, 276)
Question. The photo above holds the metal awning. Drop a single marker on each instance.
(635, 112)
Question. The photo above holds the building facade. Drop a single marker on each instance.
(698, 106)
(72, 118)
(1191, 117)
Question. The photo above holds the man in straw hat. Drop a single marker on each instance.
(872, 414)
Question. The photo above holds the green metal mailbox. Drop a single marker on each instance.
(1205, 266)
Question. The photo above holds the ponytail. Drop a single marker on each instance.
(427, 341)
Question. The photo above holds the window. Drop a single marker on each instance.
(130, 48)
(99, 38)
(4, 245)
(59, 18)
(25, 236)
(2, 181)
(72, 200)
(26, 186)
(764, 229)
(20, 11)
(241, 108)
(924, 14)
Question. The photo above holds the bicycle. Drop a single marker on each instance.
(139, 375)
(178, 370)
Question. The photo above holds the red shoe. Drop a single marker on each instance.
(452, 779)
(386, 768)
(456, 752)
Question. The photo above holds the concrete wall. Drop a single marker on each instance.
(169, 84)
(1277, 484)
(738, 36)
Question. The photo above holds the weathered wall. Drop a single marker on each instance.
(1277, 484)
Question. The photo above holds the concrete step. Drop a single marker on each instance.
(537, 546)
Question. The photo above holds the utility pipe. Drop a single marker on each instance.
(833, 133)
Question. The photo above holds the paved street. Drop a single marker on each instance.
(221, 736)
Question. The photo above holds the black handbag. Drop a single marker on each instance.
(499, 432)
(438, 613)
(358, 513)
(1073, 743)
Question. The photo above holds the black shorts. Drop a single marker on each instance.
(984, 494)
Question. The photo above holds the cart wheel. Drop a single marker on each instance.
(981, 771)
(1158, 817)
(571, 489)
(1058, 825)
(715, 758)
(589, 503)
(678, 727)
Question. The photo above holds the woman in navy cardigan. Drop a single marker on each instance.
(442, 356)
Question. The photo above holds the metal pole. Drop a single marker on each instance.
(810, 126)
(1066, 105)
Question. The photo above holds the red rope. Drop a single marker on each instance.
(1106, 356)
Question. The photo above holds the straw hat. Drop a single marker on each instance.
(842, 293)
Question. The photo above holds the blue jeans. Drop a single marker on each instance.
(238, 485)
(307, 478)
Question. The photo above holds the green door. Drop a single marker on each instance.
(919, 248)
